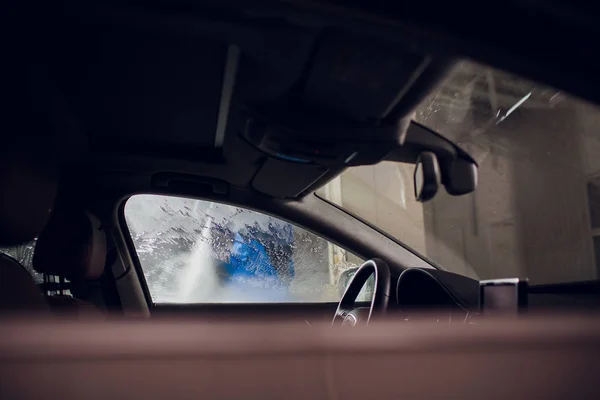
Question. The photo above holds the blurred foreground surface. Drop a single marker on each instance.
(547, 358)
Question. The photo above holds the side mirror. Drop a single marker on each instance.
(427, 178)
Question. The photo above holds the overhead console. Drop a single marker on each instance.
(350, 106)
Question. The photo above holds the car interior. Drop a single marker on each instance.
(197, 195)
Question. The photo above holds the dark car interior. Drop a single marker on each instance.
(255, 105)
(196, 101)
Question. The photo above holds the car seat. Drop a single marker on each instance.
(72, 246)
(28, 181)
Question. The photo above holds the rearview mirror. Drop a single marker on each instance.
(456, 170)
(427, 176)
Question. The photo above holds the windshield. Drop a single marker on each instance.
(536, 211)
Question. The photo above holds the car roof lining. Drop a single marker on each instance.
(156, 109)
(137, 90)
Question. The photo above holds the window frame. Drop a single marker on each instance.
(130, 245)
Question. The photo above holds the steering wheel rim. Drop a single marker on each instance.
(345, 312)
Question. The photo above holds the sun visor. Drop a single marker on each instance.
(352, 106)
(286, 179)
(359, 77)
(292, 133)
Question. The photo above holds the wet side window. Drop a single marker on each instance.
(194, 251)
(23, 254)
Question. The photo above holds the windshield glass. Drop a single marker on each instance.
(536, 211)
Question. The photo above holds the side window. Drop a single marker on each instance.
(194, 251)
(23, 253)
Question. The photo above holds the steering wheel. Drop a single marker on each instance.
(348, 315)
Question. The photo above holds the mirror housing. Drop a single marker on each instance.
(457, 170)
(427, 177)
(462, 177)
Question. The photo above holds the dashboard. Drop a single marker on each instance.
(414, 294)
(435, 295)
(447, 297)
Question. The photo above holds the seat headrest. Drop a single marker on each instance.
(28, 184)
(73, 245)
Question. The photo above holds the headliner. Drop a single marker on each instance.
(139, 90)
